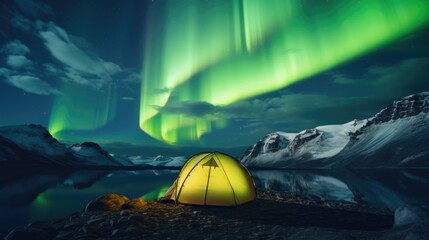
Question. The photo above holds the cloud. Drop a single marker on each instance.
(128, 98)
(162, 90)
(4, 72)
(407, 77)
(58, 42)
(22, 23)
(16, 51)
(288, 112)
(35, 8)
(188, 108)
(77, 63)
(396, 80)
(17, 62)
(32, 84)
(51, 69)
(27, 83)
(81, 66)
(340, 78)
(294, 112)
(76, 76)
(131, 77)
(15, 47)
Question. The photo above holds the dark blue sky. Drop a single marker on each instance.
(80, 63)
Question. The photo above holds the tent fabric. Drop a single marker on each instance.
(212, 179)
(171, 193)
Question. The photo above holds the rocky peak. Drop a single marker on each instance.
(91, 148)
(405, 107)
(270, 143)
(303, 137)
(90, 145)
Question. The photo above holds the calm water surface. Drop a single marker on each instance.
(30, 195)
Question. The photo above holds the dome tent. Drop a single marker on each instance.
(212, 179)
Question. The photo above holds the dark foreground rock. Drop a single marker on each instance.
(268, 217)
(108, 202)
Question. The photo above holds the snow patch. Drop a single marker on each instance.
(158, 161)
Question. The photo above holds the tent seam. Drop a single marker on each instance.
(186, 178)
(226, 175)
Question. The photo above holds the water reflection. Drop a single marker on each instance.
(20, 187)
(27, 195)
(379, 188)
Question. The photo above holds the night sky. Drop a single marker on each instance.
(205, 73)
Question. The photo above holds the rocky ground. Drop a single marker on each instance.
(271, 216)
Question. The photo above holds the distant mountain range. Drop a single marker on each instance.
(33, 145)
(397, 136)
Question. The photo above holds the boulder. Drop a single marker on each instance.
(411, 214)
(108, 202)
(136, 203)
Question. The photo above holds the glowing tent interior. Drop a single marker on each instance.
(212, 179)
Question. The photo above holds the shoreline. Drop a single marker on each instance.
(269, 216)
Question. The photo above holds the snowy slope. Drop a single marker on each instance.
(402, 142)
(397, 136)
(34, 138)
(271, 145)
(31, 142)
(320, 142)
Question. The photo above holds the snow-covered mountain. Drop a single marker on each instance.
(33, 145)
(397, 136)
(158, 161)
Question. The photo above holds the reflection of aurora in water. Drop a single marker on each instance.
(59, 194)
(41, 194)
(216, 53)
(155, 194)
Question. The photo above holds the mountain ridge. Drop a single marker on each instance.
(395, 137)
(33, 145)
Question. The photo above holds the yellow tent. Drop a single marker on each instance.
(212, 179)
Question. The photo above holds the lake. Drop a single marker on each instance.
(34, 194)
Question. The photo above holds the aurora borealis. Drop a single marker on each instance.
(205, 73)
(242, 49)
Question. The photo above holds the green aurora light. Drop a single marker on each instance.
(90, 109)
(155, 194)
(220, 52)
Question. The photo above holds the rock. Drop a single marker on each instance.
(136, 218)
(411, 214)
(115, 232)
(319, 233)
(131, 230)
(90, 228)
(108, 202)
(414, 231)
(125, 212)
(71, 224)
(96, 220)
(35, 224)
(65, 235)
(265, 219)
(136, 203)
